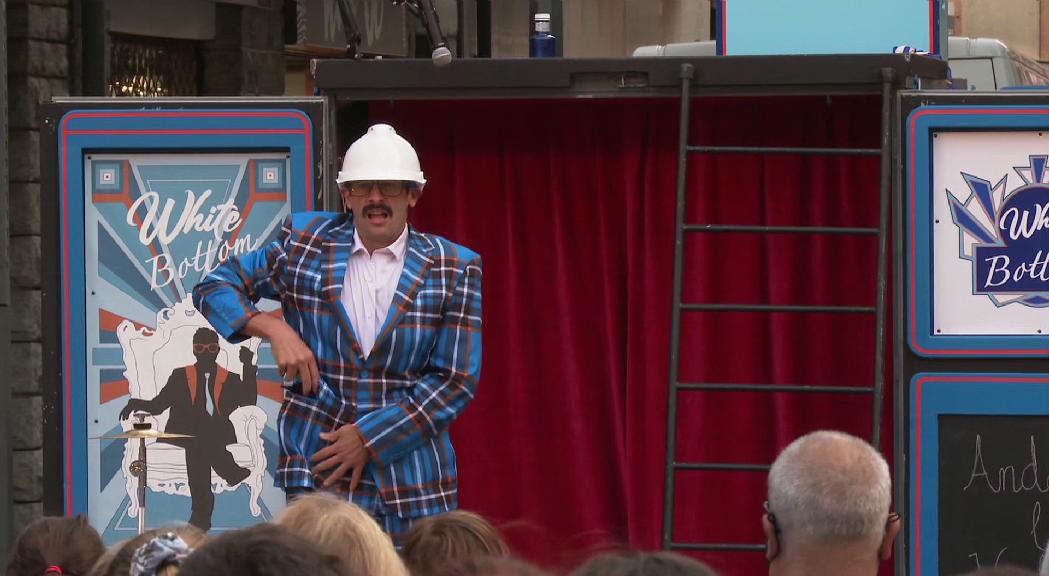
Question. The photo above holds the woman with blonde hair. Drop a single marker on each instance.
(446, 538)
(345, 530)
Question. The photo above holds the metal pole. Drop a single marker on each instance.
(484, 28)
(142, 486)
(93, 19)
(900, 397)
(557, 25)
(687, 74)
(462, 49)
(883, 250)
(327, 193)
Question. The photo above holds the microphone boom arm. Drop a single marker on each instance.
(423, 10)
(349, 26)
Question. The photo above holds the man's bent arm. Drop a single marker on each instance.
(227, 296)
(447, 385)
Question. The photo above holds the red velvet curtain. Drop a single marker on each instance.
(571, 205)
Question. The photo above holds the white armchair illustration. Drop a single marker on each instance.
(150, 356)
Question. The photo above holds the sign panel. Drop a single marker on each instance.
(763, 28)
(978, 231)
(978, 496)
(150, 203)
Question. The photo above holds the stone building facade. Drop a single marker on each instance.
(38, 47)
(44, 47)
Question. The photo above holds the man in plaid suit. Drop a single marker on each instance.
(380, 338)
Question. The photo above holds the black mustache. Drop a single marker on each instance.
(378, 207)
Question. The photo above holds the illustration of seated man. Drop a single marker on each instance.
(201, 397)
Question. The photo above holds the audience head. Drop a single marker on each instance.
(1043, 570)
(341, 528)
(162, 555)
(484, 566)
(118, 560)
(449, 537)
(631, 563)
(829, 497)
(262, 550)
(55, 545)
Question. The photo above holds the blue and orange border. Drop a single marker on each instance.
(921, 125)
(721, 30)
(933, 394)
(82, 131)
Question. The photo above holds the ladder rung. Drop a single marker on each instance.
(717, 547)
(776, 388)
(777, 308)
(785, 150)
(721, 467)
(780, 229)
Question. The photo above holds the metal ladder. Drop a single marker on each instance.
(673, 467)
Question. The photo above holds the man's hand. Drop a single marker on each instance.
(345, 453)
(246, 356)
(126, 412)
(294, 358)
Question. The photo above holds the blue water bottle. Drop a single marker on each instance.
(542, 44)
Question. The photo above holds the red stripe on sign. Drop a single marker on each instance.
(272, 390)
(109, 391)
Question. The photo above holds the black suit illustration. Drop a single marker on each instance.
(201, 397)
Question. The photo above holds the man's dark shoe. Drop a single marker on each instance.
(238, 476)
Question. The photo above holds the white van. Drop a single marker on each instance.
(988, 64)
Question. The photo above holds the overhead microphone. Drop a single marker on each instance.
(424, 9)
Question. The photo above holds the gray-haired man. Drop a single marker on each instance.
(828, 508)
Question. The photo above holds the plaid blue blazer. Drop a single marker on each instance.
(420, 375)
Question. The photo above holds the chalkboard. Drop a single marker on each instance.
(993, 491)
(970, 522)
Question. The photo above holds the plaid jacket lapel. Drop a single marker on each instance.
(417, 262)
(336, 257)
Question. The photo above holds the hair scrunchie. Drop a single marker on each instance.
(53, 570)
(164, 549)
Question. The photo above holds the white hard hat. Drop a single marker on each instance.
(381, 154)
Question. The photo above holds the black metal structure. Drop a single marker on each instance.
(890, 79)
(413, 79)
(355, 80)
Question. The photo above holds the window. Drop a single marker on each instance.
(146, 66)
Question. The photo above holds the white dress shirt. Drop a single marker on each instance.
(371, 281)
